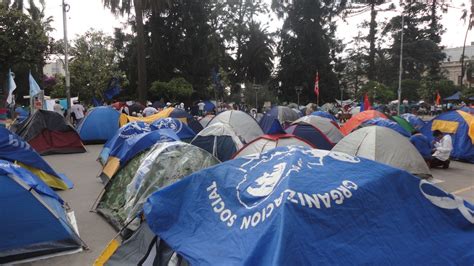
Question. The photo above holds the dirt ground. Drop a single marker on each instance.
(82, 169)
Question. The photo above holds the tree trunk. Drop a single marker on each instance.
(371, 37)
(141, 65)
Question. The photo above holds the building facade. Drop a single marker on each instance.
(451, 66)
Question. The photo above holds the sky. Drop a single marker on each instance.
(87, 14)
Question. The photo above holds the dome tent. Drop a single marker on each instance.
(320, 132)
(241, 123)
(403, 123)
(99, 125)
(460, 125)
(184, 132)
(382, 122)
(164, 164)
(218, 139)
(313, 197)
(133, 146)
(15, 150)
(386, 146)
(49, 132)
(34, 221)
(267, 142)
(282, 114)
(127, 131)
(358, 119)
(325, 115)
(414, 121)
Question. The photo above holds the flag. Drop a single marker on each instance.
(34, 87)
(11, 87)
(113, 89)
(367, 105)
(316, 84)
(438, 98)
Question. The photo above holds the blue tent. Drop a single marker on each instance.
(325, 115)
(311, 134)
(181, 129)
(209, 106)
(15, 149)
(296, 206)
(100, 124)
(467, 110)
(22, 113)
(34, 222)
(187, 118)
(127, 131)
(460, 125)
(132, 146)
(382, 122)
(414, 120)
(454, 97)
(282, 114)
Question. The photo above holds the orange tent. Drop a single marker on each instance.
(358, 119)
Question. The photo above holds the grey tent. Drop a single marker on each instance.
(220, 140)
(161, 166)
(384, 145)
(241, 123)
(325, 125)
(142, 248)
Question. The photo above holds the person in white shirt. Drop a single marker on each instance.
(77, 111)
(443, 145)
(149, 110)
(58, 108)
(201, 105)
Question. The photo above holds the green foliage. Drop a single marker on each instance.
(377, 92)
(58, 88)
(175, 89)
(428, 89)
(410, 89)
(93, 65)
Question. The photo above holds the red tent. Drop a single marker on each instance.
(49, 132)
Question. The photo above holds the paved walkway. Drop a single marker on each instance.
(82, 169)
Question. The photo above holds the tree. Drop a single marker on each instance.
(377, 92)
(125, 6)
(173, 90)
(305, 48)
(23, 47)
(94, 64)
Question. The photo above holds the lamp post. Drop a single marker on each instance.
(65, 8)
(298, 90)
(256, 88)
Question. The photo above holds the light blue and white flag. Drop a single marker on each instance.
(11, 87)
(34, 87)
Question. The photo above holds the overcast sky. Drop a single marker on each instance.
(86, 14)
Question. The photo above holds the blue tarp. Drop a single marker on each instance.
(414, 120)
(127, 131)
(100, 124)
(388, 124)
(296, 206)
(22, 113)
(454, 97)
(181, 129)
(325, 115)
(190, 120)
(283, 114)
(463, 145)
(13, 148)
(136, 144)
(467, 110)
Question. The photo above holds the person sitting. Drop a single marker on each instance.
(422, 144)
(443, 145)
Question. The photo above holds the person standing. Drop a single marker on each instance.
(443, 145)
(58, 108)
(78, 112)
(201, 105)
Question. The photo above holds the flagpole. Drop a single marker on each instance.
(401, 68)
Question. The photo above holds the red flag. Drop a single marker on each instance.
(316, 84)
(438, 98)
(367, 105)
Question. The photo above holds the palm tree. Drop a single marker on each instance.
(125, 6)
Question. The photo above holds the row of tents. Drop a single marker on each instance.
(143, 157)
